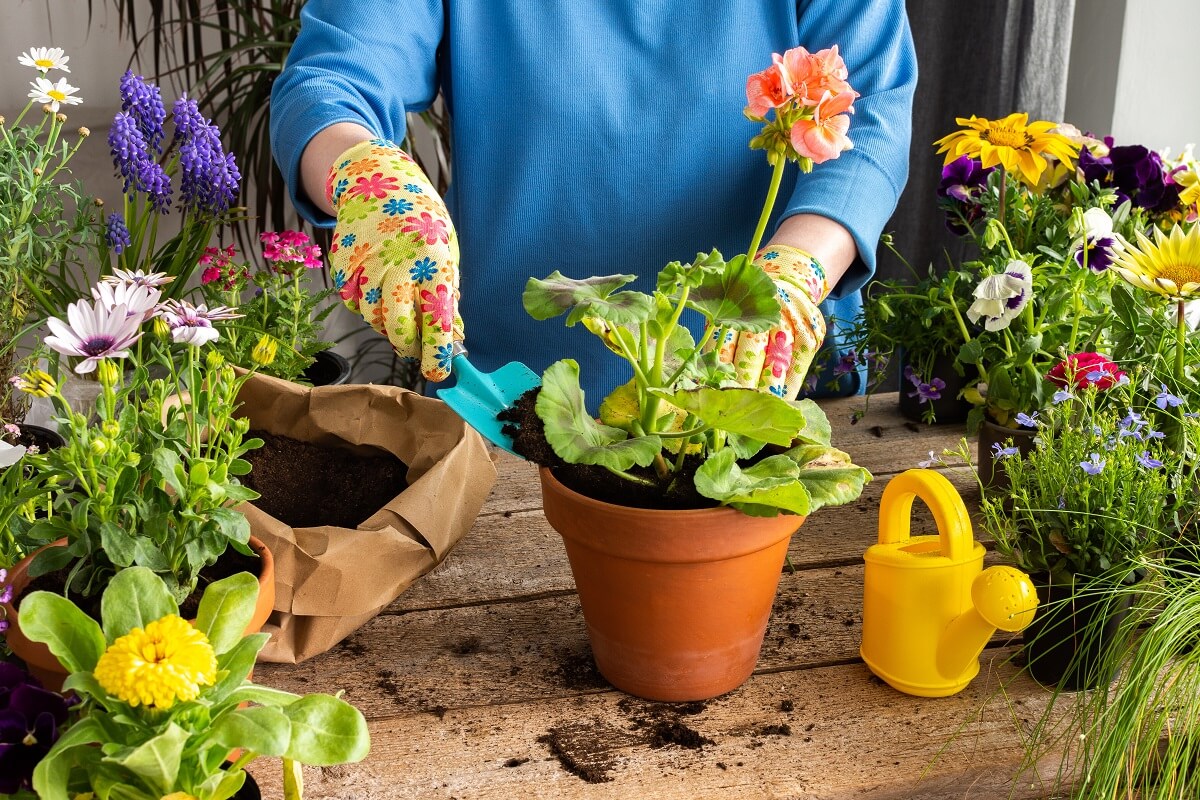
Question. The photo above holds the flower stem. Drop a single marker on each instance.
(1180, 341)
(1003, 195)
(768, 207)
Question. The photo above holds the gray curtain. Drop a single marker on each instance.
(984, 57)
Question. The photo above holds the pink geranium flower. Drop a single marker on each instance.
(823, 137)
(765, 90)
(810, 75)
(427, 227)
(439, 304)
(1086, 369)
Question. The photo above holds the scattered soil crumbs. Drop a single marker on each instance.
(586, 749)
(787, 706)
(577, 671)
(386, 680)
(469, 645)
(306, 486)
(775, 730)
(668, 732)
(516, 762)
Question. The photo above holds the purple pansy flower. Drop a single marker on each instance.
(963, 182)
(30, 720)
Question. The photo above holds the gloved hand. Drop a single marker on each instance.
(778, 360)
(395, 253)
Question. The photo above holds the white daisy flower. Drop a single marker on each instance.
(93, 331)
(45, 59)
(55, 94)
(1000, 298)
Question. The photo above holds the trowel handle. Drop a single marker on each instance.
(949, 511)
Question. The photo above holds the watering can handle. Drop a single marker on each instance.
(949, 511)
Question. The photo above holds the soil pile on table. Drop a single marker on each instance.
(306, 486)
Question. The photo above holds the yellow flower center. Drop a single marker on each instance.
(1002, 136)
(44, 63)
(166, 663)
(1180, 274)
(55, 94)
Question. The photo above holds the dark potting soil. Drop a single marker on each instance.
(230, 563)
(306, 486)
(529, 439)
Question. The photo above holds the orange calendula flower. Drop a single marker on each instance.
(1015, 143)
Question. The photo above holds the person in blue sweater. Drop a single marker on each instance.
(592, 138)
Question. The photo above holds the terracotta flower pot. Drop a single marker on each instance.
(676, 602)
(42, 663)
(991, 474)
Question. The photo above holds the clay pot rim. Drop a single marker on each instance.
(616, 508)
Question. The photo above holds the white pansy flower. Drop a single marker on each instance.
(45, 59)
(1096, 223)
(1000, 298)
(45, 91)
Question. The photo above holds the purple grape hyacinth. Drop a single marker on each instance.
(133, 162)
(209, 177)
(143, 102)
(116, 234)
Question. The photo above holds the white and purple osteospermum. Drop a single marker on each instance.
(193, 325)
(1000, 298)
(10, 454)
(139, 300)
(1098, 246)
(93, 331)
(137, 278)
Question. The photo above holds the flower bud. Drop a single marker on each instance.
(110, 428)
(37, 172)
(37, 383)
(97, 202)
(47, 110)
(2, 120)
(107, 372)
(99, 446)
(61, 117)
(199, 474)
(84, 132)
(265, 351)
(161, 329)
(133, 459)
(214, 360)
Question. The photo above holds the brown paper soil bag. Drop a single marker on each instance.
(329, 580)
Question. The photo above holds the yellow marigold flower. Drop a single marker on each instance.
(1169, 265)
(264, 352)
(1016, 143)
(167, 662)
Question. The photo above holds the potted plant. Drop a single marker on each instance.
(183, 721)
(34, 719)
(276, 302)
(153, 481)
(1082, 511)
(677, 506)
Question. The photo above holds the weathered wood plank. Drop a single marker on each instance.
(536, 649)
(520, 555)
(847, 735)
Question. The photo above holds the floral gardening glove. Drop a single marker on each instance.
(395, 253)
(778, 360)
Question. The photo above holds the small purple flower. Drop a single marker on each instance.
(31, 719)
(1093, 467)
(1097, 375)
(932, 461)
(1027, 420)
(927, 392)
(1133, 420)
(143, 102)
(963, 183)
(1165, 398)
(1155, 435)
(1062, 501)
(1135, 173)
(1097, 254)
(133, 162)
(116, 234)
(1062, 396)
(911, 376)
(1146, 461)
(1000, 451)
(209, 177)
(847, 363)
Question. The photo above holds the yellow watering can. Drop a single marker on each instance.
(929, 607)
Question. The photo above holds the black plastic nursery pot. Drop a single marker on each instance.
(949, 408)
(991, 473)
(329, 369)
(249, 790)
(36, 435)
(1068, 641)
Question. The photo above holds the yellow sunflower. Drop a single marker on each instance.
(167, 662)
(1169, 265)
(1016, 143)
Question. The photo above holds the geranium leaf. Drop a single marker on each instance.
(770, 484)
(587, 297)
(829, 475)
(741, 297)
(576, 437)
(746, 412)
(817, 429)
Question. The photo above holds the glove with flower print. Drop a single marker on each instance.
(395, 253)
(778, 360)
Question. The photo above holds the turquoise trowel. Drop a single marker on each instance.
(478, 397)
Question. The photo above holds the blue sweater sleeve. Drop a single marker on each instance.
(861, 187)
(352, 63)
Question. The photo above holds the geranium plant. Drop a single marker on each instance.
(152, 480)
(277, 302)
(167, 703)
(682, 419)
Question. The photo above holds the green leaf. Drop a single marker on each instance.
(741, 297)
(326, 731)
(771, 483)
(73, 637)
(744, 447)
(117, 544)
(829, 475)
(157, 760)
(970, 353)
(234, 665)
(226, 609)
(134, 598)
(53, 772)
(169, 468)
(588, 297)
(263, 695)
(575, 436)
(49, 560)
(747, 412)
(261, 729)
(817, 429)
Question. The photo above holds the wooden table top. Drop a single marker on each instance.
(478, 681)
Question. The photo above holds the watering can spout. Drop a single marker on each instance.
(1003, 599)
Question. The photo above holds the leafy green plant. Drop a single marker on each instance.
(151, 726)
(680, 402)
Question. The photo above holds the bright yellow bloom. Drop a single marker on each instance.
(1015, 142)
(1169, 265)
(36, 382)
(167, 662)
(264, 352)
(1190, 181)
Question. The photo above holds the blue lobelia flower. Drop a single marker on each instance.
(1094, 466)
(1061, 396)
(1165, 398)
(1146, 461)
(1000, 451)
(1027, 420)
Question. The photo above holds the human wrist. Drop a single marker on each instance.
(322, 153)
(826, 240)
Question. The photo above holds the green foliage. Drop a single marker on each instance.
(682, 400)
(151, 752)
